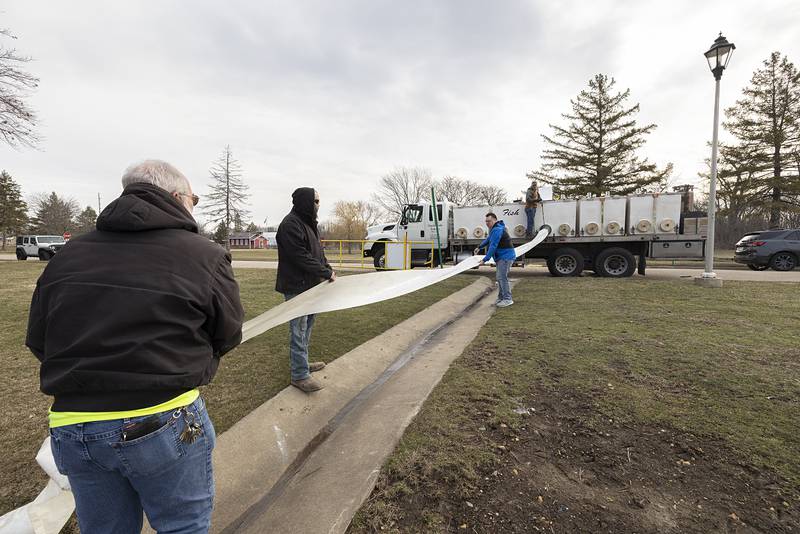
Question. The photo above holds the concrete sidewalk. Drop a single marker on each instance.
(337, 476)
(255, 460)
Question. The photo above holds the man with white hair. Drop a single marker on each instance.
(128, 321)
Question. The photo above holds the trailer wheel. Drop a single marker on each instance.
(615, 262)
(565, 262)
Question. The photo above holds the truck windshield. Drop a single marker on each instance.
(412, 214)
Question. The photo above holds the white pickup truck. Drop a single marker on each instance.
(602, 234)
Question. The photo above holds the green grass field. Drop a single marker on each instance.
(247, 377)
(610, 366)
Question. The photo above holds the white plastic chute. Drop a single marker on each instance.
(362, 289)
(50, 510)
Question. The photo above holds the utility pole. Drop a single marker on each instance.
(98, 203)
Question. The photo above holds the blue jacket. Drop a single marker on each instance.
(493, 240)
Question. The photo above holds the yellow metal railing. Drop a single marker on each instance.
(348, 260)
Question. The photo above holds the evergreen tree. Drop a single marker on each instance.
(220, 235)
(228, 194)
(86, 221)
(13, 210)
(766, 124)
(53, 214)
(253, 228)
(596, 153)
(238, 224)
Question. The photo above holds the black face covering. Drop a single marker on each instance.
(303, 205)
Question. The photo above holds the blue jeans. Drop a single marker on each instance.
(113, 481)
(530, 213)
(299, 337)
(504, 288)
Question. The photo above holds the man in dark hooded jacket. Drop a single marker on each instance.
(301, 266)
(128, 321)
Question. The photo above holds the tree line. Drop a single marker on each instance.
(49, 213)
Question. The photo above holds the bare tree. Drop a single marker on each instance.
(17, 119)
(402, 186)
(225, 203)
(492, 195)
(459, 191)
(351, 219)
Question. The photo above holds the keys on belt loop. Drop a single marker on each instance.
(192, 429)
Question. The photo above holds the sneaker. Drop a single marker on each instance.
(505, 303)
(316, 366)
(307, 385)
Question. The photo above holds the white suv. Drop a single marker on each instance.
(43, 247)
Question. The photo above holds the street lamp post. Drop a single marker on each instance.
(718, 57)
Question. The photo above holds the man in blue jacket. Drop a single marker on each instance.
(501, 249)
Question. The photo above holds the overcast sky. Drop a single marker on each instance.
(333, 95)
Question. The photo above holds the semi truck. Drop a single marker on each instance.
(613, 236)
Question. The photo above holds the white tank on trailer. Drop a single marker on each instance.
(469, 223)
(614, 215)
(641, 214)
(560, 216)
(590, 216)
(667, 212)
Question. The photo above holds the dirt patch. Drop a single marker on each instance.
(561, 469)
(562, 417)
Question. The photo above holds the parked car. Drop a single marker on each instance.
(43, 247)
(779, 249)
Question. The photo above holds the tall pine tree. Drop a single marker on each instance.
(13, 210)
(597, 151)
(86, 221)
(766, 124)
(53, 214)
(225, 203)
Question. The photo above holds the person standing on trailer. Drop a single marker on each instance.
(501, 249)
(532, 200)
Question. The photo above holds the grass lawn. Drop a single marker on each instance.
(267, 254)
(271, 254)
(596, 405)
(247, 377)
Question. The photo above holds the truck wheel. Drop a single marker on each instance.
(783, 261)
(565, 262)
(21, 255)
(379, 259)
(615, 262)
(44, 255)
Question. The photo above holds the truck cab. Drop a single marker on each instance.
(418, 226)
